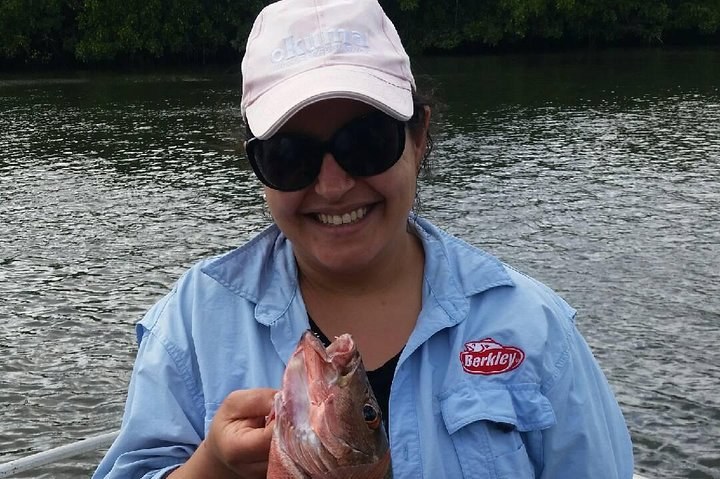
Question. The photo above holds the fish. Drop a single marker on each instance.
(327, 422)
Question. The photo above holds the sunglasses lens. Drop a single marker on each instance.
(369, 145)
(366, 146)
(287, 162)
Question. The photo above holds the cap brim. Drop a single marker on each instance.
(275, 106)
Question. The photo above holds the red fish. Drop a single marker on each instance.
(328, 424)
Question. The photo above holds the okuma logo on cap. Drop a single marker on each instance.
(319, 43)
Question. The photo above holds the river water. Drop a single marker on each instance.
(596, 173)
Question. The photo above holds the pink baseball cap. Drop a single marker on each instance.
(303, 51)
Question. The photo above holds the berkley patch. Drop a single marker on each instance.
(487, 356)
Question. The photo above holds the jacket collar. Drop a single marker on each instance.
(454, 270)
(264, 272)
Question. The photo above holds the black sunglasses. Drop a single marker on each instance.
(365, 146)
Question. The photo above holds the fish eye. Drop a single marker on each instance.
(371, 415)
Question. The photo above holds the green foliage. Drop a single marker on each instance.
(36, 30)
(133, 29)
(493, 22)
(702, 16)
(191, 31)
(451, 23)
(594, 22)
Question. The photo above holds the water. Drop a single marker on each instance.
(597, 174)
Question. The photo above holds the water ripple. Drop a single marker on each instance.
(111, 187)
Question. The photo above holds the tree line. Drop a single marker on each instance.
(66, 32)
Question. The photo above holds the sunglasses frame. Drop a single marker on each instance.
(325, 146)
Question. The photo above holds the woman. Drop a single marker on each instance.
(490, 377)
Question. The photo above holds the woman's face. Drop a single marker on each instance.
(341, 223)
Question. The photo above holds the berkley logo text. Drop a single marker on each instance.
(487, 356)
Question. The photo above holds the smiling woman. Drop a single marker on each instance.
(378, 237)
(477, 368)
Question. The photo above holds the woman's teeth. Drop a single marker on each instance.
(344, 219)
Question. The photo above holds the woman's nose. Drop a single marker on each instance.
(332, 181)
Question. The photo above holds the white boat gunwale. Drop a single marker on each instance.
(89, 444)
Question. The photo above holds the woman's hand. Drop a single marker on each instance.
(238, 435)
(238, 443)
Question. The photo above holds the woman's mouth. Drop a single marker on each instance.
(342, 219)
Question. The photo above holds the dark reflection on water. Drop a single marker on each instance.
(596, 174)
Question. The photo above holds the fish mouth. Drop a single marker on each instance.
(311, 374)
(324, 368)
(313, 369)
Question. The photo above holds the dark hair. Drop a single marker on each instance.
(424, 97)
(415, 124)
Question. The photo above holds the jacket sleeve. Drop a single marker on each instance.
(164, 412)
(590, 438)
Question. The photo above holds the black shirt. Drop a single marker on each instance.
(380, 378)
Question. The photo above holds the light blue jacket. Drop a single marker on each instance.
(494, 382)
